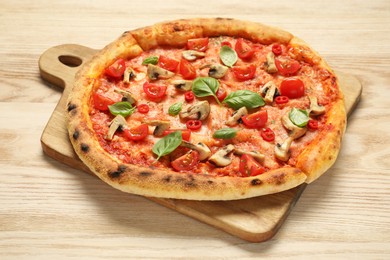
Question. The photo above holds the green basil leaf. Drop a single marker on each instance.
(123, 108)
(228, 56)
(175, 109)
(150, 60)
(205, 86)
(299, 117)
(167, 144)
(225, 133)
(244, 98)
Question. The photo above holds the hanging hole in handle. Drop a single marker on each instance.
(70, 61)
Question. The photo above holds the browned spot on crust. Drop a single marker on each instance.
(145, 174)
(280, 178)
(116, 174)
(210, 182)
(177, 28)
(256, 182)
(71, 107)
(76, 135)
(84, 147)
(167, 178)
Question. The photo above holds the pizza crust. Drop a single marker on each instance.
(149, 181)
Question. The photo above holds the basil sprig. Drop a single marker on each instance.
(244, 98)
(225, 133)
(123, 108)
(205, 86)
(175, 109)
(150, 60)
(299, 117)
(228, 56)
(167, 144)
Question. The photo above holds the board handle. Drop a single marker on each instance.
(59, 64)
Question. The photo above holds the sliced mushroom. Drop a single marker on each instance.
(315, 109)
(271, 67)
(233, 120)
(220, 158)
(127, 96)
(199, 110)
(128, 75)
(216, 70)
(117, 123)
(282, 151)
(295, 131)
(192, 55)
(255, 154)
(156, 72)
(270, 90)
(183, 85)
(160, 126)
(203, 149)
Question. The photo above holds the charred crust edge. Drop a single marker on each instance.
(76, 135)
(145, 174)
(84, 147)
(71, 107)
(256, 182)
(116, 174)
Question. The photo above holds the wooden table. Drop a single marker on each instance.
(51, 210)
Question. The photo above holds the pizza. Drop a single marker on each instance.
(206, 109)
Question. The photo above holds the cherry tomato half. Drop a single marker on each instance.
(143, 108)
(116, 69)
(312, 125)
(243, 73)
(189, 96)
(137, 133)
(194, 124)
(249, 166)
(281, 100)
(221, 94)
(154, 91)
(186, 162)
(101, 102)
(267, 134)
(199, 44)
(256, 120)
(185, 133)
(287, 66)
(277, 49)
(187, 70)
(292, 88)
(244, 49)
(167, 63)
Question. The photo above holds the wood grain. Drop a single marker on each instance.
(256, 219)
(49, 210)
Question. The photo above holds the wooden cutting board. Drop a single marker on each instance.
(255, 219)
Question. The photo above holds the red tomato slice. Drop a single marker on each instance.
(244, 49)
(167, 63)
(243, 73)
(287, 66)
(221, 94)
(116, 69)
(267, 134)
(186, 162)
(199, 44)
(153, 91)
(194, 124)
(277, 49)
(292, 88)
(256, 120)
(249, 166)
(185, 133)
(187, 70)
(137, 133)
(143, 108)
(226, 43)
(101, 102)
(312, 125)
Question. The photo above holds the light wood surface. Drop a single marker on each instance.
(255, 220)
(49, 210)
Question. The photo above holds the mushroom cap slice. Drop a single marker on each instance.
(282, 151)
(155, 72)
(200, 109)
(126, 94)
(183, 85)
(216, 70)
(117, 122)
(233, 120)
(192, 55)
(270, 90)
(160, 125)
(295, 131)
(271, 67)
(203, 149)
(220, 158)
(255, 154)
(315, 109)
